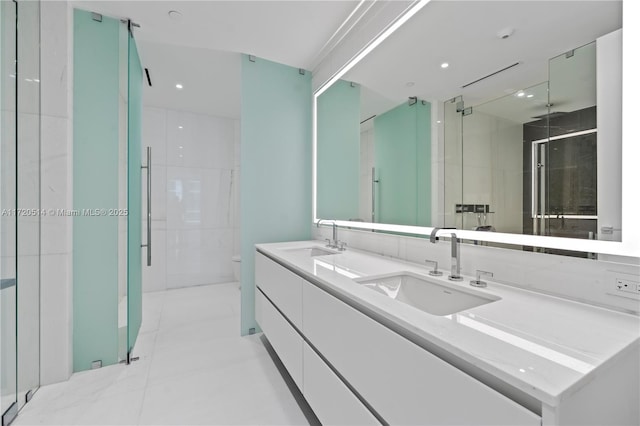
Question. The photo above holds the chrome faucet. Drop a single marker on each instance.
(334, 242)
(455, 254)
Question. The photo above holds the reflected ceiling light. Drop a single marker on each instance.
(529, 96)
(174, 15)
(179, 86)
(505, 33)
(415, 8)
(520, 94)
(444, 65)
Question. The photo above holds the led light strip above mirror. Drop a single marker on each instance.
(630, 244)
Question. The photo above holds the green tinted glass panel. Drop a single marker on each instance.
(276, 164)
(403, 165)
(134, 191)
(338, 152)
(95, 189)
(8, 161)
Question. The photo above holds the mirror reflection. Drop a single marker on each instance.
(510, 124)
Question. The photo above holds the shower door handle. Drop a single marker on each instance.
(373, 194)
(148, 244)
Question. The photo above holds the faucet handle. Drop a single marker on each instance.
(329, 243)
(342, 245)
(478, 282)
(434, 272)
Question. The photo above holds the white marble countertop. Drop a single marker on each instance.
(545, 346)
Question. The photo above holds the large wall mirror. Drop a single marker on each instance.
(495, 117)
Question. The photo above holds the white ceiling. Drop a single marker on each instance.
(210, 79)
(464, 34)
(201, 50)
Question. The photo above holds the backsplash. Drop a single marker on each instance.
(583, 280)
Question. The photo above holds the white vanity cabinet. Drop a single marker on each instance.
(332, 401)
(282, 286)
(371, 374)
(283, 337)
(404, 383)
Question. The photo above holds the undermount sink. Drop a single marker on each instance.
(426, 294)
(313, 251)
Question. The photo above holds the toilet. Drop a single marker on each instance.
(235, 264)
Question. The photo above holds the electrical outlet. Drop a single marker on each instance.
(628, 286)
(623, 284)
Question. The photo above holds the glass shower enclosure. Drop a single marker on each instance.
(107, 162)
(19, 204)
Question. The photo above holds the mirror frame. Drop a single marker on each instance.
(630, 244)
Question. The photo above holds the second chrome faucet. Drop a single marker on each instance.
(454, 275)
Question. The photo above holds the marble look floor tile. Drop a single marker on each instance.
(122, 408)
(247, 392)
(173, 361)
(193, 368)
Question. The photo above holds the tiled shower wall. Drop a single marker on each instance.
(195, 172)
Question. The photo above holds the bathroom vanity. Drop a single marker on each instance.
(374, 340)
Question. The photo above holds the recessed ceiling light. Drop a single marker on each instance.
(178, 86)
(174, 15)
(179, 127)
(529, 96)
(505, 33)
(444, 65)
(520, 94)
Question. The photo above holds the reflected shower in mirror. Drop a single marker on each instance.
(515, 125)
(373, 158)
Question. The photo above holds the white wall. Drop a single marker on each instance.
(483, 165)
(56, 59)
(367, 162)
(195, 172)
(609, 95)
(492, 170)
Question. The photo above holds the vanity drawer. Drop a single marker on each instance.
(331, 400)
(402, 382)
(283, 337)
(282, 286)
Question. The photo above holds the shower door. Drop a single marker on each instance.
(8, 204)
(19, 204)
(564, 156)
(107, 241)
(564, 185)
(134, 193)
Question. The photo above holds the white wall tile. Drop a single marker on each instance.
(154, 134)
(198, 198)
(199, 256)
(53, 58)
(203, 141)
(195, 187)
(55, 318)
(154, 277)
